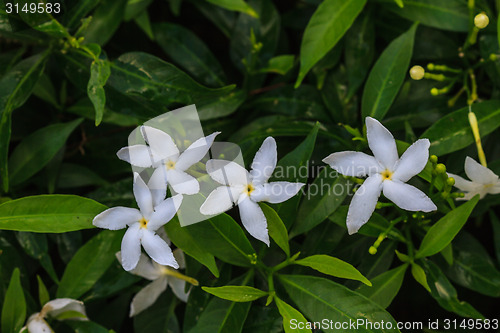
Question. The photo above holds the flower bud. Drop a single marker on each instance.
(433, 159)
(493, 57)
(450, 181)
(440, 168)
(431, 66)
(417, 72)
(481, 20)
(372, 250)
(434, 91)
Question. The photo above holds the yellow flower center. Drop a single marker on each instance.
(249, 189)
(144, 223)
(386, 175)
(170, 165)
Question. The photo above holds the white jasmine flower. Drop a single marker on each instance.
(162, 276)
(246, 189)
(386, 172)
(142, 224)
(162, 154)
(59, 308)
(484, 180)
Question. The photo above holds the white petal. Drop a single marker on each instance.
(182, 183)
(37, 324)
(147, 296)
(352, 163)
(143, 196)
(178, 286)
(59, 306)
(381, 143)
(179, 257)
(137, 155)
(463, 184)
(164, 212)
(413, 160)
(363, 203)
(144, 268)
(275, 192)
(117, 218)
(254, 220)
(195, 152)
(158, 250)
(158, 185)
(220, 200)
(407, 197)
(131, 247)
(264, 162)
(227, 172)
(495, 189)
(478, 173)
(161, 143)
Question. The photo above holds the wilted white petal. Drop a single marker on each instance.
(195, 152)
(144, 268)
(179, 257)
(161, 143)
(253, 219)
(227, 172)
(158, 250)
(220, 200)
(413, 160)
(407, 197)
(137, 155)
(463, 184)
(264, 162)
(275, 192)
(117, 218)
(478, 173)
(147, 296)
(363, 203)
(183, 183)
(352, 163)
(158, 185)
(381, 143)
(143, 196)
(164, 212)
(36, 324)
(57, 307)
(178, 286)
(131, 247)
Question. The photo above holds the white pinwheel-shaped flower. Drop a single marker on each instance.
(483, 180)
(386, 173)
(161, 277)
(59, 308)
(142, 224)
(246, 189)
(170, 165)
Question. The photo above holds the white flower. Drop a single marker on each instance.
(484, 181)
(162, 276)
(163, 155)
(142, 225)
(247, 188)
(386, 172)
(59, 308)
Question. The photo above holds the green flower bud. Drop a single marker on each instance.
(440, 168)
(481, 20)
(372, 250)
(417, 72)
(433, 159)
(450, 181)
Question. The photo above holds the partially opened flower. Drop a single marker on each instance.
(170, 165)
(142, 224)
(483, 180)
(246, 189)
(162, 276)
(386, 173)
(60, 309)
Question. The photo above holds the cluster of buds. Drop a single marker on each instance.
(439, 172)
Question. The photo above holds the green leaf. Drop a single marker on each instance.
(38, 149)
(99, 74)
(235, 5)
(49, 213)
(319, 298)
(495, 223)
(223, 106)
(334, 267)
(43, 293)
(290, 314)
(236, 293)
(14, 305)
(387, 76)
(86, 326)
(280, 64)
(443, 232)
(135, 8)
(89, 263)
(105, 21)
(277, 229)
(42, 21)
(419, 275)
(36, 246)
(328, 24)
(385, 286)
(452, 132)
(78, 11)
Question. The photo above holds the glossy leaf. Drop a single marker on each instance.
(235, 5)
(280, 64)
(105, 21)
(290, 315)
(99, 74)
(236, 293)
(49, 213)
(277, 229)
(419, 276)
(14, 305)
(385, 286)
(387, 76)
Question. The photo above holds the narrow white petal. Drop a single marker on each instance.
(164, 212)
(264, 161)
(179, 257)
(117, 218)
(37, 324)
(227, 172)
(463, 184)
(363, 203)
(478, 173)
(183, 183)
(131, 247)
(413, 160)
(275, 192)
(147, 296)
(407, 197)
(178, 286)
(220, 200)
(161, 143)
(158, 185)
(143, 196)
(144, 268)
(137, 155)
(495, 189)
(58, 306)
(353, 163)
(254, 220)
(195, 152)
(158, 250)
(381, 143)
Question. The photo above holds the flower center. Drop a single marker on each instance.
(249, 189)
(144, 223)
(170, 165)
(172, 272)
(386, 175)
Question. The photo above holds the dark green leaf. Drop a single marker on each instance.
(290, 314)
(277, 229)
(135, 8)
(35, 245)
(105, 21)
(280, 64)
(235, 5)
(236, 293)
(79, 10)
(496, 234)
(14, 305)
(99, 74)
(385, 286)
(43, 293)
(87, 327)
